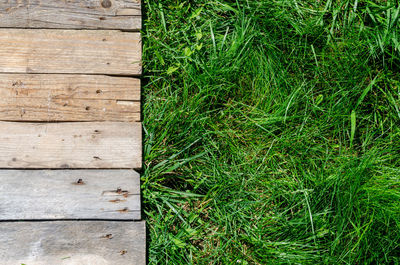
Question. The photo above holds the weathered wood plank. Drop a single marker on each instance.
(70, 51)
(73, 243)
(70, 145)
(34, 97)
(89, 14)
(69, 194)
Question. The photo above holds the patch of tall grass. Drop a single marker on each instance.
(272, 132)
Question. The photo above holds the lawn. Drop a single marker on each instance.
(272, 131)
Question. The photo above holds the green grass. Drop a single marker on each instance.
(272, 131)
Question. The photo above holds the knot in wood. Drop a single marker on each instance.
(106, 3)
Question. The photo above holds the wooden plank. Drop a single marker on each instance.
(70, 145)
(73, 243)
(43, 97)
(69, 194)
(83, 14)
(70, 51)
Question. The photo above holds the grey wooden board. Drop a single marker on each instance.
(72, 243)
(69, 194)
(82, 14)
(52, 51)
(63, 97)
(83, 145)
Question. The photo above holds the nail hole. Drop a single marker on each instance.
(80, 182)
(108, 236)
(125, 210)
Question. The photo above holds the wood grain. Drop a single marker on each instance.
(34, 97)
(69, 194)
(70, 145)
(76, 14)
(73, 243)
(70, 51)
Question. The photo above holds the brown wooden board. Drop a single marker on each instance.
(73, 243)
(70, 51)
(69, 194)
(57, 97)
(76, 14)
(70, 145)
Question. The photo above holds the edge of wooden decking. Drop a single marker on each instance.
(60, 53)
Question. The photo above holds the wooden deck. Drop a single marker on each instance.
(70, 132)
